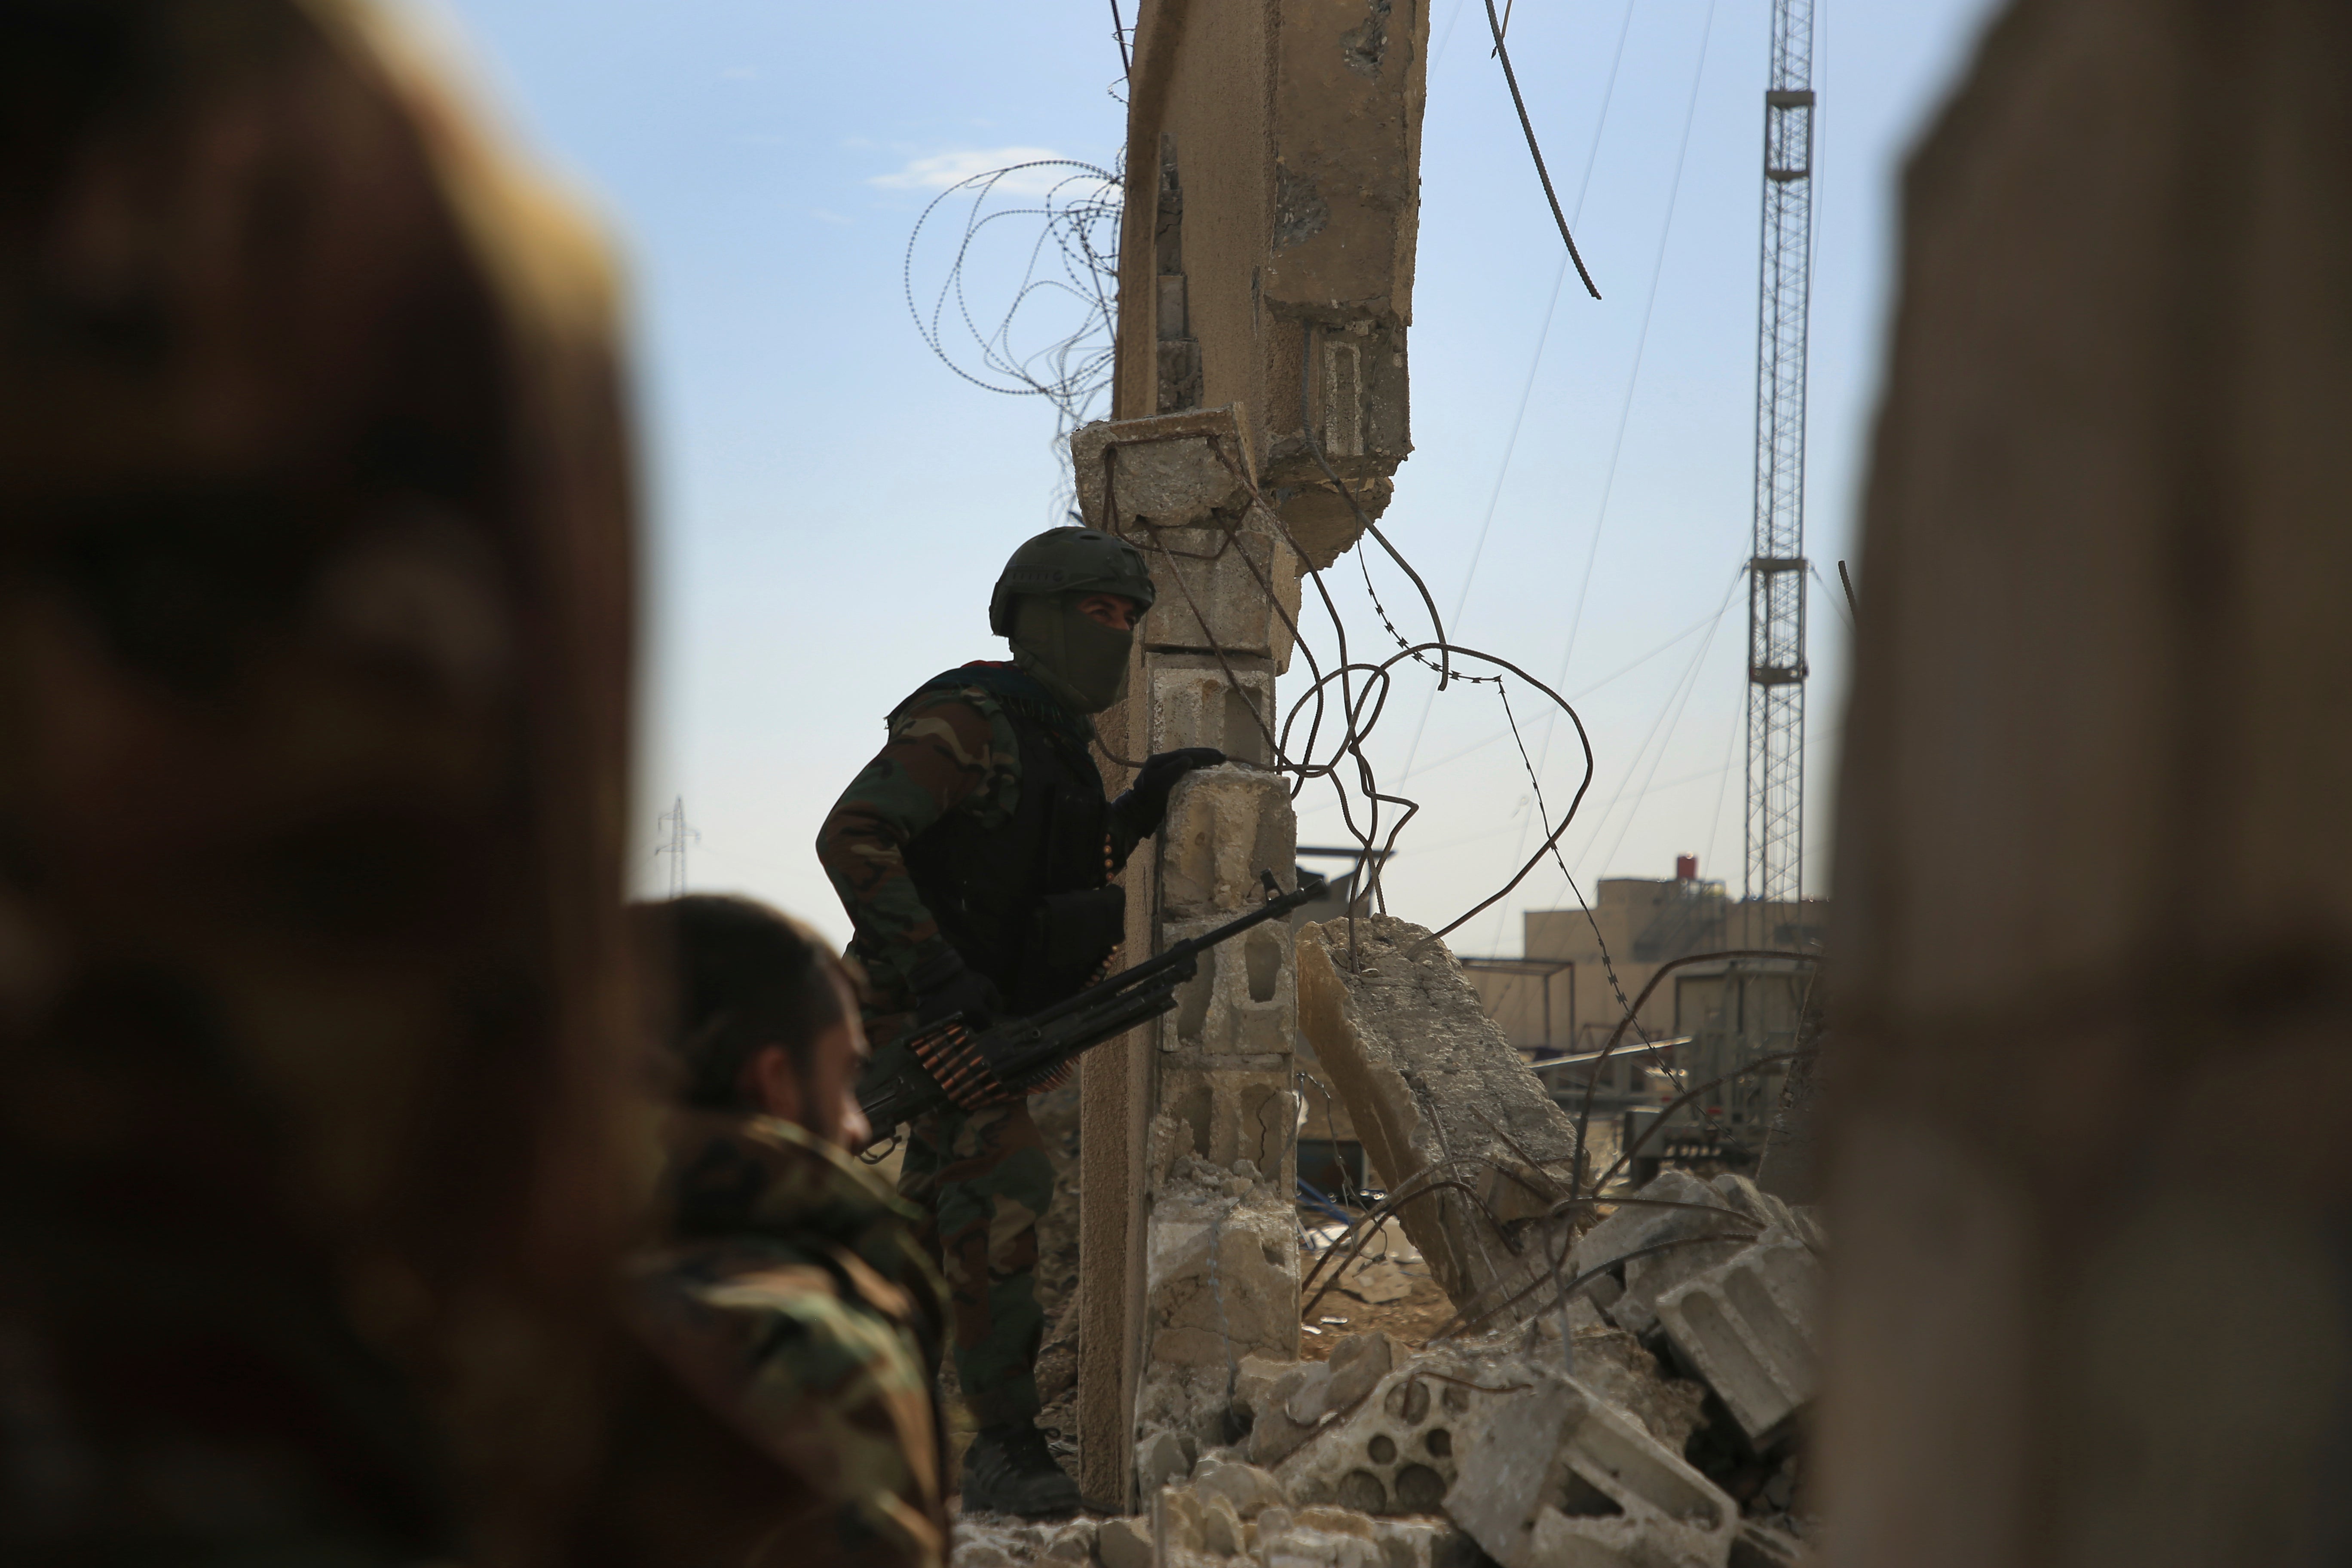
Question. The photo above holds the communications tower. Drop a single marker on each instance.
(1776, 570)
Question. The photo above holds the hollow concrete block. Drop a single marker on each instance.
(1733, 1207)
(1244, 1000)
(1230, 590)
(1396, 1450)
(1198, 699)
(1236, 1119)
(1747, 1327)
(1164, 471)
(1225, 826)
(1552, 1474)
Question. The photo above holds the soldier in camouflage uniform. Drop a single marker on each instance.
(974, 855)
(792, 1292)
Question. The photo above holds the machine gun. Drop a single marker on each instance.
(948, 1064)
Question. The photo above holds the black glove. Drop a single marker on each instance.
(946, 986)
(1144, 807)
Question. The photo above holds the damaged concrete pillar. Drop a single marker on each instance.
(1265, 291)
(2088, 1182)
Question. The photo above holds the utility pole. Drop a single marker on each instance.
(677, 835)
(1776, 570)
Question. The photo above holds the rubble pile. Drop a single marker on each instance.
(1661, 1435)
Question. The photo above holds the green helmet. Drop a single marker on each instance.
(1064, 560)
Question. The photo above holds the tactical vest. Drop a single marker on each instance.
(1027, 903)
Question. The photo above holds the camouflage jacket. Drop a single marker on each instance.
(951, 748)
(792, 1295)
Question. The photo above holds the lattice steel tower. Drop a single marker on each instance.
(1775, 573)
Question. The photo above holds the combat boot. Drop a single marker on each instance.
(1009, 1470)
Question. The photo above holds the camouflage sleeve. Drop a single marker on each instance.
(948, 750)
(828, 1384)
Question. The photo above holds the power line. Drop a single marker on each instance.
(1632, 379)
(1543, 337)
(1511, 77)
(1640, 344)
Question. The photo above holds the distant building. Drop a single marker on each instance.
(1556, 998)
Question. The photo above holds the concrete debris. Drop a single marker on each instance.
(1123, 1543)
(1762, 1546)
(1615, 1366)
(1319, 1538)
(1553, 1475)
(1074, 1543)
(1394, 1452)
(1251, 1490)
(1175, 470)
(1161, 1457)
(1376, 1281)
(1221, 1278)
(997, 1543)
(1745, 1326)
(1507, 1446)
(1313, 1393)
(1434, 1090)
(1731, 1206)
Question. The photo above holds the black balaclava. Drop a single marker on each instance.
(1081, 661)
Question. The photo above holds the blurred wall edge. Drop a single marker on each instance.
(315, 641)
(2094, 923)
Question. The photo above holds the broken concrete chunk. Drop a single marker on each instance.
(1426, 1543)
(1762, 1546)
(1251, 1490)
(986, 1542)
(1358, 1363)
(1394, 1454)
(1175, 471)
(1175, 1525)
(1751, 1200)
(1615, 1366)
(1254, 1379)
(1123, 1543)
(1159, 1459)
(1300, 1395)
(1434, 1089)
(1073, 1542)
(1636, 1225)
(1553, 1475)
(1745, 1326)
(1313, 1537)
(1221, 1524)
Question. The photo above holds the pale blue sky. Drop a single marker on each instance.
(828, 504)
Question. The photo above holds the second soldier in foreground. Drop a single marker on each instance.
(974, 855)
(791, 1293)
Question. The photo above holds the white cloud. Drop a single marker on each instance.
(945, 169)
(822, 216)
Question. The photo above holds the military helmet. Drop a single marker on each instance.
(1069, 560)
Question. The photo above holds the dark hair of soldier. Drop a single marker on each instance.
(737, 977)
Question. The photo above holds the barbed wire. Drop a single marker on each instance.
(1054, 336)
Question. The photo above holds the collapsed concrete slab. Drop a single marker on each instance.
(1747, 1327)
(1552, 1474)
(1443, 1102)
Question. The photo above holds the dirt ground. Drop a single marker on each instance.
(1354, 1305)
